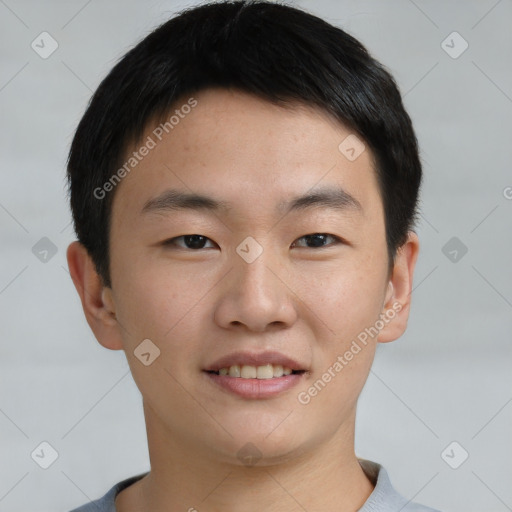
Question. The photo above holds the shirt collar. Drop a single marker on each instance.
(383, 498)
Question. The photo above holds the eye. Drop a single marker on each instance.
(196, 242)
(190, 241)
(316, 239)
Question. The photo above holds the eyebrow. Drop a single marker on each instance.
(334, 198)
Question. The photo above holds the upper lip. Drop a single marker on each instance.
(254, 359)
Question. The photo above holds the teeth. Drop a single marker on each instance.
(278, 370)
(265, 372)
(248, 372)
(234, 371)
(245, 371)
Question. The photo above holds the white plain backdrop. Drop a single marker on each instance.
(447, 379)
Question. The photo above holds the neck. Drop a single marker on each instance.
(183, 477)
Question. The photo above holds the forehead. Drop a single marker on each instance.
(249, 156)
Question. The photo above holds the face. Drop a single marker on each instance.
(262, 280)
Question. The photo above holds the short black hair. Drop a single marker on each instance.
(274, 51)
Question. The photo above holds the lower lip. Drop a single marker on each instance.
(256, 388)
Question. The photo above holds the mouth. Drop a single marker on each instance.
(262, 372)
(254, 388)
(254, 376)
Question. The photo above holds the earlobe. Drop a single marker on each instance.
(398, 296)
(97, 300)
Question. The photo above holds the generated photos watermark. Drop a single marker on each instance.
(152, 140)
(305, 397)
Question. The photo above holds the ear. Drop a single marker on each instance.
(396, 308)
(97, 300)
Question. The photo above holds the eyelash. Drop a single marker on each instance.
(172, 241)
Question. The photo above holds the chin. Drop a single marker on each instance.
(252, 446)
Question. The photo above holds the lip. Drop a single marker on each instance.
(256, 389)
(255, 359)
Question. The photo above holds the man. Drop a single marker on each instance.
(244, 185)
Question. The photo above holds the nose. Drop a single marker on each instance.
(255, 296)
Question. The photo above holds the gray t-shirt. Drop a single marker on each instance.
(384, 498)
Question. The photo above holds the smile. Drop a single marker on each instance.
(255, 388)
(267, 371)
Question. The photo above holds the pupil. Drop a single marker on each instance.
(317, 238)
(193, 241)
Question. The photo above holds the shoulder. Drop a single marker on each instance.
(384, 497)
(104, 504)
(107, 502)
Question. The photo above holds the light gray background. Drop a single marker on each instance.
(447, 379)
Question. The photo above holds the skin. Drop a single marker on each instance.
(197, 305)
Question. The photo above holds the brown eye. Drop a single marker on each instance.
(317, 240)
(192, 242)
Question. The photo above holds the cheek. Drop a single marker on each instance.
(160, 308)
(348, 352)
(351, 301)
(350, 304)
(158, 303)
(346, 299)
